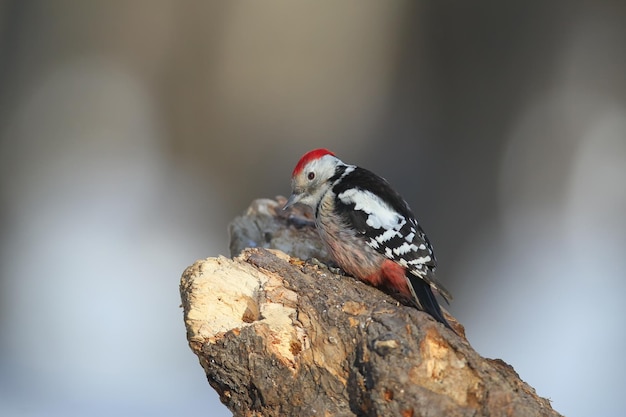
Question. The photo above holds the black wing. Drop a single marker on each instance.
(387, 225)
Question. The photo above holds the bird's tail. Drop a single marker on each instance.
(425, 299)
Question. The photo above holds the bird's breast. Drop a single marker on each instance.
(347, 246)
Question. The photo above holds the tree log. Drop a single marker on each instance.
(278, 336)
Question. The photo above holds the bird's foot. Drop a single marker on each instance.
(331, 266)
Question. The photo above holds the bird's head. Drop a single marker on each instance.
(310, 177)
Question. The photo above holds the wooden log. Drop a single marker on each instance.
(278, 336)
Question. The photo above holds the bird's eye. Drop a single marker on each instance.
(311, 175)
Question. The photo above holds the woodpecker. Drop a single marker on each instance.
(369, 229)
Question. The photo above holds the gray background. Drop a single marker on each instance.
(131, 133)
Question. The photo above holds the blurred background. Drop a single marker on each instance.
(131, 133)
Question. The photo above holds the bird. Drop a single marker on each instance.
(369, 229)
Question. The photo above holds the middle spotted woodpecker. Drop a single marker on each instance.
(368, 229)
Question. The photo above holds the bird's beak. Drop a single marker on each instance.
(293, 199)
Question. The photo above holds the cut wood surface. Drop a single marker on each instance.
(278, 336)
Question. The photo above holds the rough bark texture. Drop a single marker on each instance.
(277, 336)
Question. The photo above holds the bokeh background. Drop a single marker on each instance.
(131, 133)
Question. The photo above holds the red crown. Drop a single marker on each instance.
(308, 157)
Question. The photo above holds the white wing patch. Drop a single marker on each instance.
(388, 223)
(380, 215)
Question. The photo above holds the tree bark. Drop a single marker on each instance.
(278, 336)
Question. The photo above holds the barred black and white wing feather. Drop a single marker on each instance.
(390, 228)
